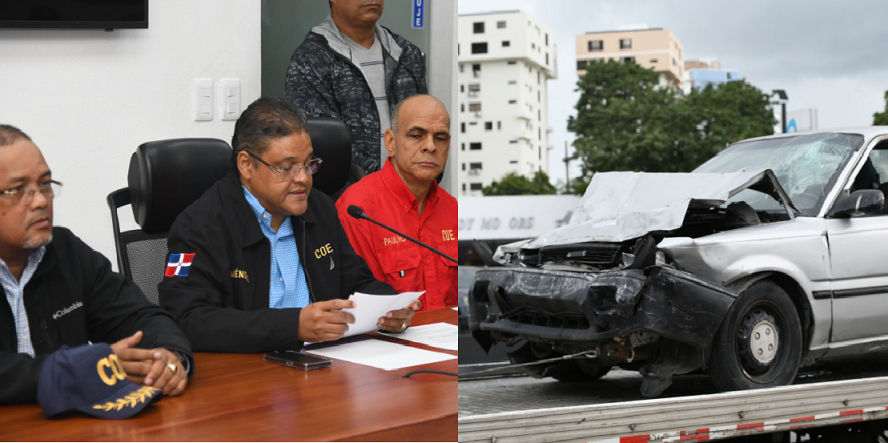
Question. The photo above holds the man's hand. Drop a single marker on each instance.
(324, 320)
(151, 367)
(397, 321)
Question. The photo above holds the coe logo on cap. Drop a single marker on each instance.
(117, 372)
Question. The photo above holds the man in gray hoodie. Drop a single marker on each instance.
(352, 69)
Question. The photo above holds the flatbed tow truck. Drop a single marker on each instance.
(690, 418)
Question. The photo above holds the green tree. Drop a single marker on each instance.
(626, 121)
(720, 116)
(621, 115)
(881, 118)
(514, 184)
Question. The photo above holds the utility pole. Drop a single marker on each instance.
(566, 167)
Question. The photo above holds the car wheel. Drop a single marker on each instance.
(759, 343)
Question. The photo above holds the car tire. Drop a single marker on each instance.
(759, 343)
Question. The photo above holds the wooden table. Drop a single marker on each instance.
(243, 397)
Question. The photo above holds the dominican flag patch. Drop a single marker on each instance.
(179, 265)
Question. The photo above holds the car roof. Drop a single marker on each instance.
(867, 132)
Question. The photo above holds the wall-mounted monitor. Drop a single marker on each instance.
(101, 14)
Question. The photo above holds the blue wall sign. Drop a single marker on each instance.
(418, 20)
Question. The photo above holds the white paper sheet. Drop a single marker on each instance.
(381, 354)
(439, 335)
(371, 307)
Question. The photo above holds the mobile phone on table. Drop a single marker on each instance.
(298, 360)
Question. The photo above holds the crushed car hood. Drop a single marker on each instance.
(620, 206)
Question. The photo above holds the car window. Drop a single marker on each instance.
(879, 159)
(806, 165)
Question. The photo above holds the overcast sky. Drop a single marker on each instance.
(828, 55)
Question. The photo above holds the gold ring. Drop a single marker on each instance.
(403, 325)
(172, 367)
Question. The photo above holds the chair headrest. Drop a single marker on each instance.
(168, 175)
(331, 143)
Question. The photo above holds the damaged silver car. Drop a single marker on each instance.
(770, 256)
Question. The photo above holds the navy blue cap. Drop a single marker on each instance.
(90, 379)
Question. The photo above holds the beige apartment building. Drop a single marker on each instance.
(655, 48)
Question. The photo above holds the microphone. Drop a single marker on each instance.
(358, 213)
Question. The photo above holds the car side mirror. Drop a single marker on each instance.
(860, 202)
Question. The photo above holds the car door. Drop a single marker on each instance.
(859, 260)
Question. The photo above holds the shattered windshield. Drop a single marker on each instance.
(805, 165)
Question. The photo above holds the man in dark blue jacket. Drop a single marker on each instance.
(260, 262)
(60, 292)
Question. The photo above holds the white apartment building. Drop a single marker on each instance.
(505, 59)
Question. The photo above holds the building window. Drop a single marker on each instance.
(476, 69)
(478, 27)
(474, 168)
(462, 107)
(510, 62)
(501, 24)
(512, 102)
(506, 43)
(464, 187)
(463, 166)
(625, 43)
(540, 133)
(513, 162)
(476, 186)
(547, 39)
(463, 146)
(533, 46)
(462, 88)
(513, 82)
(538, 97)
(513, 142)
(473, 123)
(540, 152)
(653, 60)
(499, 125)
(488, 126)
(461, 70)
(596, 45)
(475, 146)
(462, 127)
(627, 59)
(475, 107)
(539, 115)
(581, 64)
(474, 87)
(479, 48)
(547, 59)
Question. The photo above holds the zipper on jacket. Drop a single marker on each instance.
(305, 268)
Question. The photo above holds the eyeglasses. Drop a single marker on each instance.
(25, 194)
(291, 171)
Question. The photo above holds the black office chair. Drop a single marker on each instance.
(164, 178)
(332, 144)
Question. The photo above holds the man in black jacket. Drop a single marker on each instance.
(259, 262)
(60, 292)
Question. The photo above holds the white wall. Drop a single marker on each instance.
(88, 98)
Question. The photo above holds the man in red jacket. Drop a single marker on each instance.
(405, 196)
